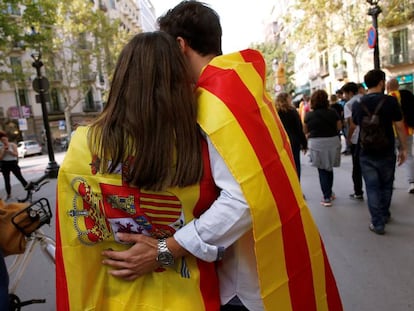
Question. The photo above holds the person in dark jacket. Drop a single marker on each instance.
(293, 126)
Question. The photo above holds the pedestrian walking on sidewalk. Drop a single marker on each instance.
(406, 100)
(378, 166)
(350, 91)
(322, 126)
(293, 125)
(9, 163)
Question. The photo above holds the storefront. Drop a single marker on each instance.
(406, 82)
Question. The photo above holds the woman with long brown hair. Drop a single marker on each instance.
(142, 167)
(293, 125)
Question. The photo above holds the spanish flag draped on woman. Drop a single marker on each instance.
(293, 269)
(92, 207)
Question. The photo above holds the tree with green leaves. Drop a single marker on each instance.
(78, 45)
(279, 53)
(17, 35)
(84, 51)
(339, 24)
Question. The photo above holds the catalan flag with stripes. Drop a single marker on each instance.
(237, 115)
(92, 207)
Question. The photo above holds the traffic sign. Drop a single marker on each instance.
(40, 84)
(46, 98)
(372, 37)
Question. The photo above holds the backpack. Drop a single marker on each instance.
(407, 107)
(372, 136)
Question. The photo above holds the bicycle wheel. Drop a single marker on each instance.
(14, 303)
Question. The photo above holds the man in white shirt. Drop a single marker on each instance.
(350, 91)
(255, 228)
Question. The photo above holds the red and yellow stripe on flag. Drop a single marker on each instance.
(89, 205)
(408, 130)
(234, 111)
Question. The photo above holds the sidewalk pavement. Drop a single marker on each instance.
(373, 272)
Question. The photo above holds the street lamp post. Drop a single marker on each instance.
(374, 11)
(41, 86)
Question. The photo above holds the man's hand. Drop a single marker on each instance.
(130, 264)
(402, 156)
(402, 138)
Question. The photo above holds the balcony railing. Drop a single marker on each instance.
(92, 107)
(391, 60)
(88, 76)
(340, 74)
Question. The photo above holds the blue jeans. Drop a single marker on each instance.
(378, 173)
(356, 170)
(4, 285)
(326, 180)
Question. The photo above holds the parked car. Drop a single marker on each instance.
(28, 147)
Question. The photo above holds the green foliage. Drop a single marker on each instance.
(397, 12)
(272, 51)
(75, 40)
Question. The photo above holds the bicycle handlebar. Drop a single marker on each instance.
(34, 186)
(33, 217)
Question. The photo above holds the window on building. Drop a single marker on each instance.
(16, 67)
(323, 63)
(13, 9)
(399, 46)
(21, 97)
(89, 101)
(55, 104)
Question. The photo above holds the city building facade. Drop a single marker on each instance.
(20, 111)
(331, 67)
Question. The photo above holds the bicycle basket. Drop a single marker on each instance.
(33, 217)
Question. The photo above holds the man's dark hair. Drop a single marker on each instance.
(350, 87)
(374, 77)
(198, 24)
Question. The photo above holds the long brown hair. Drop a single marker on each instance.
(151, 115)
(283, 103)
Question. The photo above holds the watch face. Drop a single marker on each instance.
(165, 258)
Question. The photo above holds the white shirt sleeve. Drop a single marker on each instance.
(348, 110)
(224, 222)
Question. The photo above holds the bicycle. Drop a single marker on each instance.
(29, 221)
(34, 186)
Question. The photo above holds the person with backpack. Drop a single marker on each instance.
(377, 115)
(406, 100)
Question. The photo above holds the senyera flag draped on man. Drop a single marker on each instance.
(294, 272)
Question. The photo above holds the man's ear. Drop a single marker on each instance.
(182, 43)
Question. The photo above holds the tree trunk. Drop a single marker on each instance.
(68, 121)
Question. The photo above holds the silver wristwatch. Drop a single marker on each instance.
(164, 257)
